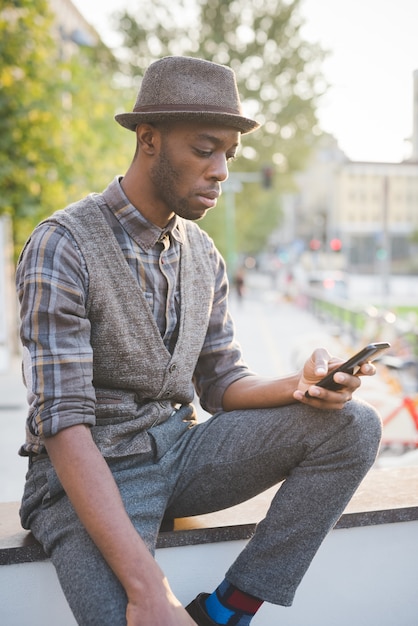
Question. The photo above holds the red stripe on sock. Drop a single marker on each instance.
(243, 602)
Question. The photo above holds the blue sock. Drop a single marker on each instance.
(229, 605)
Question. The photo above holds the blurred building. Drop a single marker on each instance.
(414, 142)
(71, 27)
(378, 213)
(365, 212)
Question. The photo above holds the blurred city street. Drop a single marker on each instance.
(276, 336)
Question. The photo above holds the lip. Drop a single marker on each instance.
(209, 198)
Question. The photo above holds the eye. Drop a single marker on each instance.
(205, 154)
(231, 158)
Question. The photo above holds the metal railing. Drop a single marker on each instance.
(364, 324)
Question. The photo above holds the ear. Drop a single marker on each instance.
(148, 138)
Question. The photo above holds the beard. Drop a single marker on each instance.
(166, 179)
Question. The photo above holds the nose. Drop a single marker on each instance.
(218, 169)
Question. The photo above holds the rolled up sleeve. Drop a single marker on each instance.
(52, 286)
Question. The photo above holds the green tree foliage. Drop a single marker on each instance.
(98, 147)
(58, 140)
(279, 80)
(30, 134)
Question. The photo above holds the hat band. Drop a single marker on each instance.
(173, 108)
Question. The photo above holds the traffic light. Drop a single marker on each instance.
(335, 244)
(315, 244)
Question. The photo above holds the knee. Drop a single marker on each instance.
(365, 430)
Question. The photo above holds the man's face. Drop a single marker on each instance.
(191, 163)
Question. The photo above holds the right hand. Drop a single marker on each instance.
(159, 611)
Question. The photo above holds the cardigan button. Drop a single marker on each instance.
(172, 368)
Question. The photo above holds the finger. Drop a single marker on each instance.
(320, 359)
(329, 400)
(347, 380)
(368, 369)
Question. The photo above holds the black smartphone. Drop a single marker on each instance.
(369, 353)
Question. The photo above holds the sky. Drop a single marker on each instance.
(373, 52)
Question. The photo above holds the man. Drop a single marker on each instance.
(124, 316)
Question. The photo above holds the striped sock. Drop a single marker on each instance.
(229, 605)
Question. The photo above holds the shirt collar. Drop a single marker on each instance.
(145, 233)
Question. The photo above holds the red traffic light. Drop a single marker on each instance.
(335, 244)
(314, 244)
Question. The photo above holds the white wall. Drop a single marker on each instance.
(361, 577)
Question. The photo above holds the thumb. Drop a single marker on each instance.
(320, 360)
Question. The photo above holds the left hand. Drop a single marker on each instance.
(315, 368)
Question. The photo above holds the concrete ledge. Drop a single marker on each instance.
(16, 544)
(386, 496)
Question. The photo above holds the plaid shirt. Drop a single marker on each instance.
(53, 282)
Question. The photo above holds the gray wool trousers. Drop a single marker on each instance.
(321, 456)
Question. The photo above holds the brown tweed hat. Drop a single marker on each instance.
(186, 88)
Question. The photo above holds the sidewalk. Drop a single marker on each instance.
(276, 337)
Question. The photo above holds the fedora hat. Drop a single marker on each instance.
(187, 88)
